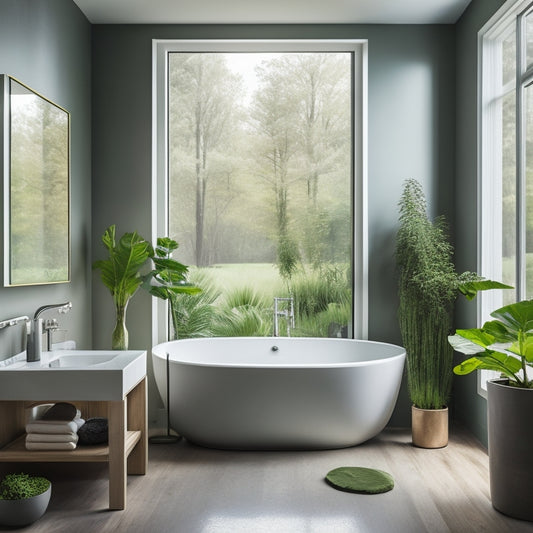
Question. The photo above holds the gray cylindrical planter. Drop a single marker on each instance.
(26, 511)
(510, 441)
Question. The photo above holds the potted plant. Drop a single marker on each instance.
(23, 499)
(428, 288)
(505, 345)
(120, 273)
(168, 279)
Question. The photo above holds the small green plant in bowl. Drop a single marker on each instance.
(23, 499)
(20, 486)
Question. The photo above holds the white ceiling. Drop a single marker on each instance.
(272, 11)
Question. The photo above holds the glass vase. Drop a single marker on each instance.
(119, 339)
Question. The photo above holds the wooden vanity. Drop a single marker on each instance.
(126, 452)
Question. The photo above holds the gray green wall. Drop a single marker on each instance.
(422, 124)
(411, 135)
(46, 44)
(469, 407)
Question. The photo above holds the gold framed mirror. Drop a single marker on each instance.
(36, 177)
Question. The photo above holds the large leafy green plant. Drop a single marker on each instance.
(168, 279)
(428, 288)
(504, 345)
(120, 273)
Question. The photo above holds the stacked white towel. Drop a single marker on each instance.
(53, 434)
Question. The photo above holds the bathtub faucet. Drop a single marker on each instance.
(287, 314)
(35, 331)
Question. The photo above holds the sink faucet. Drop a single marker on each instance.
(34, 346)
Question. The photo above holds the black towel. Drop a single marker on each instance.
(60, 411)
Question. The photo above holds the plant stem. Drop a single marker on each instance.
(174, 314)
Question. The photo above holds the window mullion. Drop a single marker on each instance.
(520, 162)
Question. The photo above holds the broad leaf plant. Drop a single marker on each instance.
(504, 345)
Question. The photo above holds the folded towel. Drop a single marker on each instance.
(52, 437)
(54, 426)
(50, 445)
(77, 421)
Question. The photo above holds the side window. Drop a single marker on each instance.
(506, 156)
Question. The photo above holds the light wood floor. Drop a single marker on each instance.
(189, 489)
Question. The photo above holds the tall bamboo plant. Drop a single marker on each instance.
(428, 287)
(120, 273)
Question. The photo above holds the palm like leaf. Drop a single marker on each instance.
(168, 279)
(470, 288)
(120, 272)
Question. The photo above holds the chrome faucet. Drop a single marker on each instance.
(13, 321)
(287, 313)
(35, 332)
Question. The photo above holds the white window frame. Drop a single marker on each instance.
(490, 161)
(160, 50)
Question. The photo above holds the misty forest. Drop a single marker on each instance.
(505, 107)
(260, 186)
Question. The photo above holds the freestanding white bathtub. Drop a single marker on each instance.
(279, 393)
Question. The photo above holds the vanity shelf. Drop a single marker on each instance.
(16, 452)
(126, 453)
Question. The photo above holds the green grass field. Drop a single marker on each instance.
(262, 277)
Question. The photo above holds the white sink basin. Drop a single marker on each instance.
(99, 375)
(81, 360)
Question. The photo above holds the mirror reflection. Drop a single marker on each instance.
(37, 228)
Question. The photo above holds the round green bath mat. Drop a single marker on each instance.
(359, 479)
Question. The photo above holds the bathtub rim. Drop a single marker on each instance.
(160, 353)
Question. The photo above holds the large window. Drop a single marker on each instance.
(506, 155)
(259, 176)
